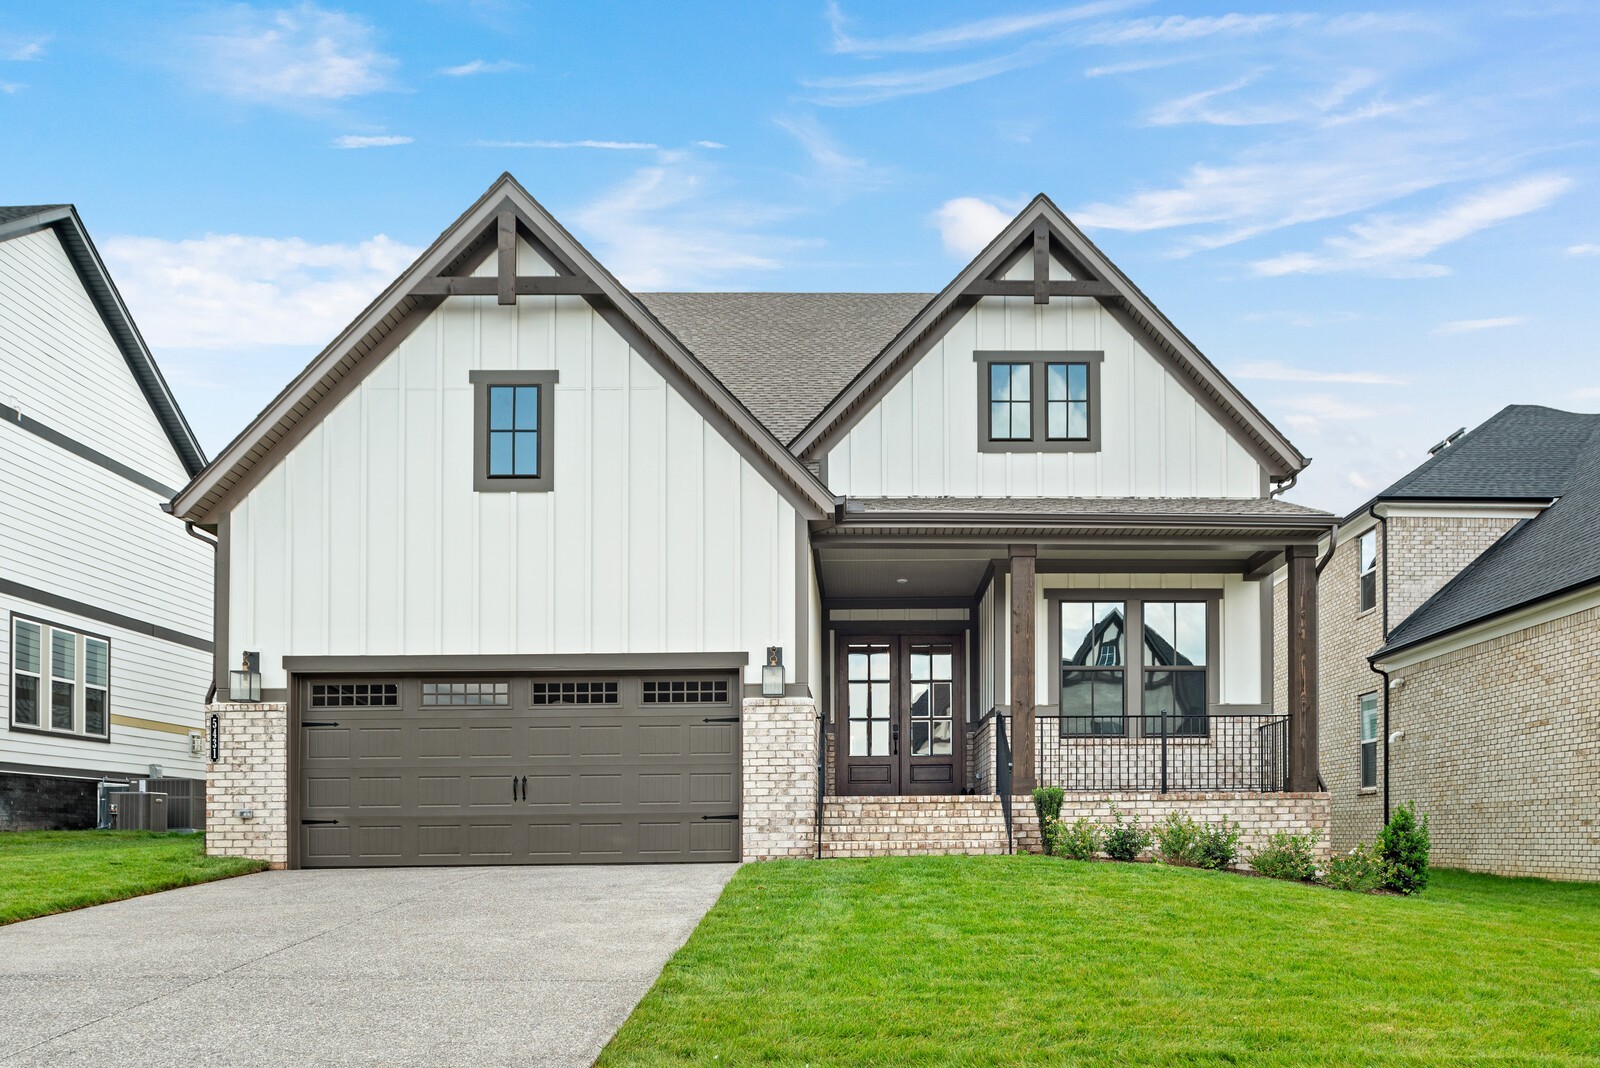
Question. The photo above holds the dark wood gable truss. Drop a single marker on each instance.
(1044, 244)
(500, 235)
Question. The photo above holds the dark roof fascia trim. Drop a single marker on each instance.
(1123, 541)
(853, 521)
(1489, 617)
(102, 290)
(104, 616)
(1416, 500)
(516, 662)
(84, 452)
(869, 383)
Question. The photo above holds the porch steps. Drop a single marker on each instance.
(912, 826)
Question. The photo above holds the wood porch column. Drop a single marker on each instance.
(1022, 658)
(1302, 629)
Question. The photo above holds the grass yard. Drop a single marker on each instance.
(1029, 960)
(52, 871)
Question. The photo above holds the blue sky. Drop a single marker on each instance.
(1380, 221)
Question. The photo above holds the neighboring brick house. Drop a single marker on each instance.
(1473, 584)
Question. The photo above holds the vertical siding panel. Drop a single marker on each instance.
(866, 455)
(307, 588)
(642, 564)
(722, 534)
(347, 551)
(689, 508)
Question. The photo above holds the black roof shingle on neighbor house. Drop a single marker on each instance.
(785, 355)
(1523, 452)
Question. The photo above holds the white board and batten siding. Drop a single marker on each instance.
(921, 438)
(75, 530)
(369, 539)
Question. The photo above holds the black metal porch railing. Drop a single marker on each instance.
(1210, 752)
(1002, 773)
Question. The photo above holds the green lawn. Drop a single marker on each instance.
(52, 871)
(1028, 960)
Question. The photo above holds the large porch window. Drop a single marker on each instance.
(1173, 692)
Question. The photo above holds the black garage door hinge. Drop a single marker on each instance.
(733, 816)
(720, 719)
(305, 823)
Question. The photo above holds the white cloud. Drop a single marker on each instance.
(1394, 247)
(615, 146)
(480, 66)
(1311, 412)
(1583, 250)
(834, 165)
(1180, 28)
(1273, 371)
(238, 290)
(11, 87)
(709, 144)
(1319, 104)
(370, 140)
(852, 90)
(672, 226)
(966, 34)
(968, 224)
(24, 51)
(294, 54)
(1470, 326)
(1133, 66)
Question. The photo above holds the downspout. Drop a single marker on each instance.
(211, 693)
(1383, 536)
(1333, 543)
(1284, 487)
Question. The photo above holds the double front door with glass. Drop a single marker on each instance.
(900, 715)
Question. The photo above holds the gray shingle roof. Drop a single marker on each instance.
(13, 213)
(1522, 452)
(784, 355)
(1556, 551)
(1035, 506)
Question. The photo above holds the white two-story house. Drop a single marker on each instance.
(105, 601)
(531, 568)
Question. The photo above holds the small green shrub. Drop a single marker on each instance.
(1176, 837)
(1288, 856)
(1361, 870)
(1080, 841)
(1403, 847)
(1126, 839)
(1047, 803)
(1216, 845)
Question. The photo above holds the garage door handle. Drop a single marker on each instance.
(524, 787)
(720, 719)
(733, 816)
(309, 823)
(513, 787)
(319, 723)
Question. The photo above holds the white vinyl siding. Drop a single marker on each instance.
(368, 538)
(1156, 440)
(60, 366)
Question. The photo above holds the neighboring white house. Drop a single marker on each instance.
(519, 549)
(105, 599)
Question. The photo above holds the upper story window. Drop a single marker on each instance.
(513, 434)
(1039, 401)
(1369, 740)
(60, 680)
(1367, 569)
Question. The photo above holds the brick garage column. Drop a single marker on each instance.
(1023, 627)
(779, 814)
(1302, 620)
(251, 772)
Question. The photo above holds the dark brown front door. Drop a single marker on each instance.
(900, 715)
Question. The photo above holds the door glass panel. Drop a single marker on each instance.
(932, 702)
(870, 700)
(943, 737)
(921, 707)
(921, 665)
(920, 739)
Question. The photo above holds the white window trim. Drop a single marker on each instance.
(1371, 535)
(1364, 741)
(47, 676)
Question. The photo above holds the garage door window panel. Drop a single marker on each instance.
(574, 692)
(355, 695)
(685, 691)
(466, 693)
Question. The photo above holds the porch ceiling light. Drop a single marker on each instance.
(902, 581)
(245, 683)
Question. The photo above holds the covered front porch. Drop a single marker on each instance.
(1129, 653)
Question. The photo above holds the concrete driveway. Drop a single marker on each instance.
(473, 966)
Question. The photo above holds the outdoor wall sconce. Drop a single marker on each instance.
(245, 683)
(772, 672)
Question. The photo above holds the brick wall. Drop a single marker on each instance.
(1423, 554)
(780, 777)
(1501, 748)
(252, 773)
(1259, 816)
(47, 803)
(912, 826)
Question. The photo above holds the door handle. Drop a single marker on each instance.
(894, 740)
(513, 787)
(524, 787)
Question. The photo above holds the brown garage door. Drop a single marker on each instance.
(548, 770)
